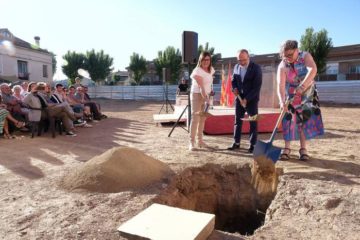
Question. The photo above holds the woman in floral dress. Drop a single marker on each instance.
(295, 78)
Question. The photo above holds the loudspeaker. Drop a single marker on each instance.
(189, 47)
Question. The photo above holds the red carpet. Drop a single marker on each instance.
(222, 121)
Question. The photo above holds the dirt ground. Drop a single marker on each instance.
(318, 199)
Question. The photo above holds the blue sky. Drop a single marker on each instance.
(121, 27)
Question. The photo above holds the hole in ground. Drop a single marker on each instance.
(226, 191)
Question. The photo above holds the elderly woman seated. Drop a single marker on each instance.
(5, 116)
(13, 105)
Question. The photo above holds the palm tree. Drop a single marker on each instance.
(211, 50)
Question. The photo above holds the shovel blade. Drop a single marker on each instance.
(254, 118)
(205, 114)
(267, 150)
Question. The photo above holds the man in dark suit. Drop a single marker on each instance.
(246, 83)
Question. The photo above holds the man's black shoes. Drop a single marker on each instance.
(234, 146)
(251, 149)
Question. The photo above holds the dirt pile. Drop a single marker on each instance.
(116, 170)
(265, 177)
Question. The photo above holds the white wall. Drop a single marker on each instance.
(35, 59)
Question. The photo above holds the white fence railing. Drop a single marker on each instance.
(332, 91)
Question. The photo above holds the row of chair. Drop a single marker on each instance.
(51, 124)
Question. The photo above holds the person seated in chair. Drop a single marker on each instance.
(5, 118)
(183, 88)
(84, 98)
(13, 105)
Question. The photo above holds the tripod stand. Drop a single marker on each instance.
(166, 103)
(188, 108)
(166, 79)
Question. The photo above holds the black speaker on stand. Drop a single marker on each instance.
(189, 57)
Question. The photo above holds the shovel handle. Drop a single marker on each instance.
(240, 99)
(287, 102)
(279, 120)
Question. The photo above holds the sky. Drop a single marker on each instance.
(122, 27)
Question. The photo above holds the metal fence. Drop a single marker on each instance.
(133, 92)
(339, 91)
(333, 91)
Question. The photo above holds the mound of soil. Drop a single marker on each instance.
(116, 170)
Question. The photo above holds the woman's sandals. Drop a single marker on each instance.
(20, 124)
(303, 155)
(285, 154)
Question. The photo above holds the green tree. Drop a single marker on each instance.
(116, 78)
(318, 44)
(170, 59)
(54, 62)
(138, 67)
(98, 65)
(73, 61)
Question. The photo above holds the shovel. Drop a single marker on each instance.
(252, 118)
(205, 111)
(265, 151)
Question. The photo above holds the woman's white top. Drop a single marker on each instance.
(207, 80)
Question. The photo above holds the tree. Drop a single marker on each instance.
(54, 62)
(98, 65)
(116, 78)
(170, 59)
(138, 67)
(211, 50)
(73, 61)
(318, 44)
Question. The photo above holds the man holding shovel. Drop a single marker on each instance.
(246, 84)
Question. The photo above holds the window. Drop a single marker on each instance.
(332, 68)
(355, 69)
(6, 34)
(45, 71)
(23, 70)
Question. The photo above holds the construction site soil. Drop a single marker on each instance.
(74, 188)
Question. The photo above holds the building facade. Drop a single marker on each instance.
(343, 63)
(20, 60)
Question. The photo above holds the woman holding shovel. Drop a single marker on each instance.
(202, 79)
(295, 78)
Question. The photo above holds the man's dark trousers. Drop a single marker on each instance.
(251, 109)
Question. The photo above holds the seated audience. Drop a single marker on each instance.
(43, 108)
